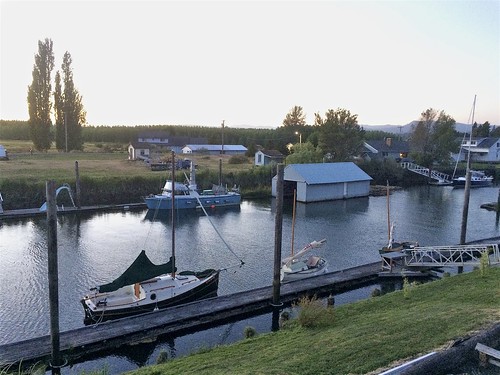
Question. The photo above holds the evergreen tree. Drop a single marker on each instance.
(70, 115)
(39, 104)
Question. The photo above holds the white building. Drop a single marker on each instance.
(325, 181)
(266, 157)
(215, 149)
(485, 150)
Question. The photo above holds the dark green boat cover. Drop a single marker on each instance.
(140, 270)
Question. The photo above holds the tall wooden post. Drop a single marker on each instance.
(278, 229)
(465, 212)
(78, 191)
(53, 275)
(172, 196)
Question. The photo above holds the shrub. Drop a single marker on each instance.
(249, 332)
(484, 263)
(313, 313)
(162, 357)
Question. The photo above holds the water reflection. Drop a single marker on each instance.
(95, 248)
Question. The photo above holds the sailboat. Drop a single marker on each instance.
(394, 245)
(477, 178)
(146, 287)
(298, 266)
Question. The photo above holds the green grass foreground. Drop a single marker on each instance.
(361, 337)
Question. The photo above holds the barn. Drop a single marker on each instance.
(324, 181)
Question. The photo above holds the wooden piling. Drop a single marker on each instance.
(78, 190)
(56, 362)
(465, 212)
(278, 230)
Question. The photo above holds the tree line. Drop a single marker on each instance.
(334, 136)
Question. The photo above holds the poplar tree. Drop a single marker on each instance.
(69, 112)
(39, 92)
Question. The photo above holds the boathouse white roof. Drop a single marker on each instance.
(325, 181)
(325, 173)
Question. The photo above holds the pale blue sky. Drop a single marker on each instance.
(249, 63)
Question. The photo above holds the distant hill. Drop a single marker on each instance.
(404, 129)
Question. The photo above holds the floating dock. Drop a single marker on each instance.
(33, 212)
(113, 334)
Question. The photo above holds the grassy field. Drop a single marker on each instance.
(94, 161)
(362, 337)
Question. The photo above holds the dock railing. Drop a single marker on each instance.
(459, 255)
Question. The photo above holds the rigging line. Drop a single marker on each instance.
(157, 209)
(211, 222)
(208, 217)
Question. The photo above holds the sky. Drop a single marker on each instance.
(248, 63)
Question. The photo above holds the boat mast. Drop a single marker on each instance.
(388, 215)
(465, 212)
(172, 196)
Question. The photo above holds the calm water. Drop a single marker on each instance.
(96, 248)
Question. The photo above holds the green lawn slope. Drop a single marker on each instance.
(362, 337)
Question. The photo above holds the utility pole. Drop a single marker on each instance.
(222, 141)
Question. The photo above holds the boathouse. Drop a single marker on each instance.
(324, 181)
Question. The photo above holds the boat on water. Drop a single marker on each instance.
(393, 245)
(187, 196)
(146, 287)
(299, 266)
(477, 179)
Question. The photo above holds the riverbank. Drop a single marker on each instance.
(363, 337)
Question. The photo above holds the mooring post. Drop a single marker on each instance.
(77, 173)
(465, 212)
(53, 275)
(497, 208)
(278, 229)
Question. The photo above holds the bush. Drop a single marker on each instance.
(313, 313)
(249, 332)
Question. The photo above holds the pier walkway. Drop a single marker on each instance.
(32, 212)
(407, 263)
(113, 334)
(441, 178)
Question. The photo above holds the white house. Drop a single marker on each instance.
(138, 150)
(485, 150)
(215, 149)
(325, 181)
(265, 157)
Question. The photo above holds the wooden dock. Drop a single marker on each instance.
(113, 334)
(33, 212)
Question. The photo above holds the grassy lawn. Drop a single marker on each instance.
(93, 162)
(362, 337)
